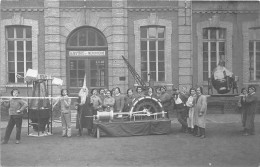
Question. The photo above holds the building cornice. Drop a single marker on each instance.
(225, 11)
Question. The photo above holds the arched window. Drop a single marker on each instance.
(87, 55)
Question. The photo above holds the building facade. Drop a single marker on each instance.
(169, 42)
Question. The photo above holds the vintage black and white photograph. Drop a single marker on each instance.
(135, 83)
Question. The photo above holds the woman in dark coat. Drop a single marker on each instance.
(251, 107)
(84, 112)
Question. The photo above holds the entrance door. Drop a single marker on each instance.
(86, 54)
(95, 70)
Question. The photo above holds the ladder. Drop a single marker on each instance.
(136, 76)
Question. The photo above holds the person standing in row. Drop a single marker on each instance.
(128, 100)
(191, 104)
(96, 101)
(119, 101)
(165, 99)
(251, 107)
(109, 101)
(84, 112)
(200, 113)
(65, 112)
(181, 109)
(242, 107)
(16, 106)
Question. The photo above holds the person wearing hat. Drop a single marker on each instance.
(165, 99)
(251, 102)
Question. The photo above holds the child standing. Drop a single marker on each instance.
(65, 113)
(16, 107)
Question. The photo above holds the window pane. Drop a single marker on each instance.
(160, 55)
(93, 64)
(152, 32)
(151, 45)
(205, 76)
(93, 82)
(205, 66)
(143, 32)
(11, 67)
(213, 65)
(205, 33)
(73, 40)
(11, 77)
(205, 56)
(73, 82)
(152, 56)
(28, 32)
(20, 67)
(251, 46)
(213, 33)
(20, 45)
(143, 66)
(257, 74)
(21, 80)
(10, 32)
(73, 64)
(28, 56)
(161, 45)
(28, 65)
(82, 38)
(143, 45)
(80, 82)
(20, 56)
(160, 32)
(161, 76)
(10, 56)
(100, 40)
(153, 76)
(19, 32)
(152, 66)
(81, 64)
(10, 45)
(257, 46)
(222, 33)
(161, 66)
(144, 76)
(91, 38)
(222, 46)
(213, 46)
(28, 45)
(81, 73)
(73, 73)
(213, 56)
(143, 55)
(205, 46)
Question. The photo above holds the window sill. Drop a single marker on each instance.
(15, 85)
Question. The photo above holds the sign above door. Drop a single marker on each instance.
(87, 53)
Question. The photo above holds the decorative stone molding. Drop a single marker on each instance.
(246, 26)
(225, 11)
(17, 19)
(22, 9)
(214, 22)
(153, 18)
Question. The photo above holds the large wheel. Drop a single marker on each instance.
(151, 104)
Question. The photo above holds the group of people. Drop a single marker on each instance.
(190, 107)
(247, 104)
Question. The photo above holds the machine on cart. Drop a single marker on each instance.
(40, 108)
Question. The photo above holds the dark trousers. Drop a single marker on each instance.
(14, 120)
(182, 116)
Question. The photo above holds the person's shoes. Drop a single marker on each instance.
(202, 136)
(69, 136)
(17, 142)
(245, 134)
(64, 135)
(4, 142)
